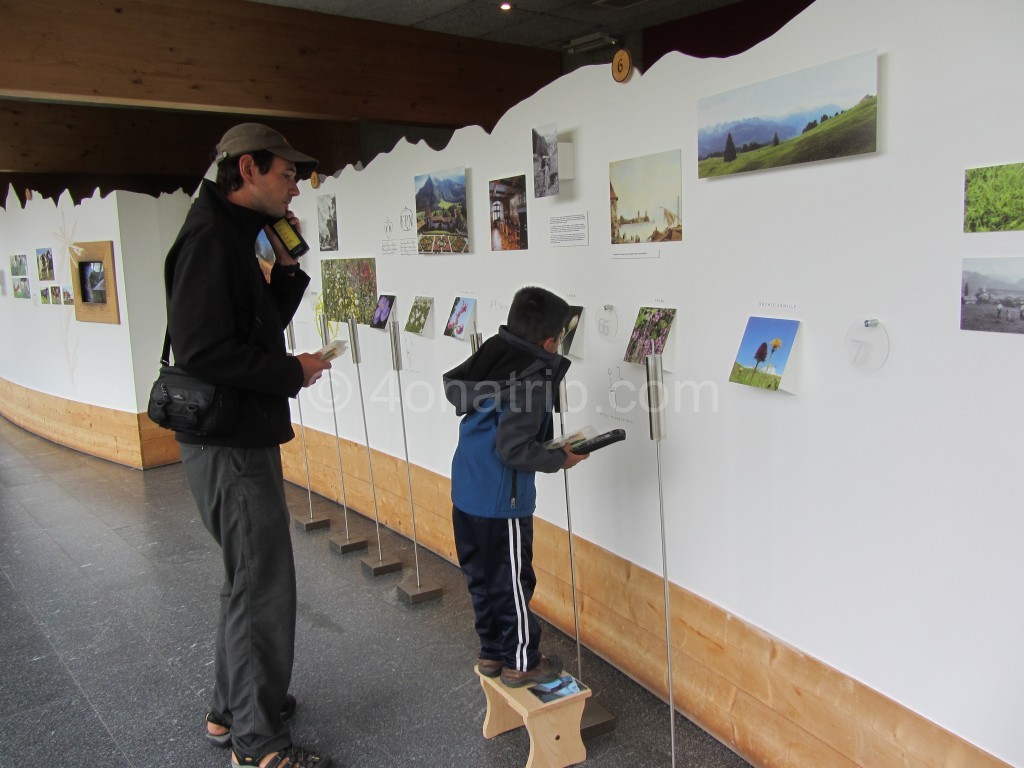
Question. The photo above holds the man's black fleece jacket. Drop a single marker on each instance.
(227, 323)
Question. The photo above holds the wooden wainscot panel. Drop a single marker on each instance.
(158, 444)
(102, 432)
(769, 702)
(765, 738)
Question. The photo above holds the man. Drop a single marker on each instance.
(226, 325)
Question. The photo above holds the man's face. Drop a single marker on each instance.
(273, 191)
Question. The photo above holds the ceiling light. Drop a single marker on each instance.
(506, 6)
(590, 42)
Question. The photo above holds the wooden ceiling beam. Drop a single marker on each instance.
(248, 58)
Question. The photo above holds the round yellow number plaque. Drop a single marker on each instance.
(622, 65)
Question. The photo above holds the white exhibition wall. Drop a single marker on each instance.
(868, 520)
(104, 364)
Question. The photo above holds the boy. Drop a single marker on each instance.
(505, 394)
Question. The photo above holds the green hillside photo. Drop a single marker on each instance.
(852, 132)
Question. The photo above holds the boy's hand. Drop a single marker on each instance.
(572, 459)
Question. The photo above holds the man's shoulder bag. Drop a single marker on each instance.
(183, 403)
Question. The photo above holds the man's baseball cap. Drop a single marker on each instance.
(251, 137)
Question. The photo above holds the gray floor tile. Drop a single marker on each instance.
(63, 731)
(108, 603)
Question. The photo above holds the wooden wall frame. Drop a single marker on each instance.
(101, 253)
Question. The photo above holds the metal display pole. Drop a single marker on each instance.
(376, 566)
(655, 388)
(475, 340)
(342, 544)
(313, 522)
(412, 590)
(596, 718)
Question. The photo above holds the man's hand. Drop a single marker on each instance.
(572, 459)
(283, 257)
(312, 367)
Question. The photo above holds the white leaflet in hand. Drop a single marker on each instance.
(572, 438)
(332, 350)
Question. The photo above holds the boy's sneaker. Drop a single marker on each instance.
(548, 668)
(490, 667)
(289, 757)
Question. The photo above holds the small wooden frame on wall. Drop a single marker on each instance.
(94, 281)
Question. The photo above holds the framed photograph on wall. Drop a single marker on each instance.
(442, 220)
(93, 282)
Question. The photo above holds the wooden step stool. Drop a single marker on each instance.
(554, 727)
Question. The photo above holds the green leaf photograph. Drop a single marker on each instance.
(994, 198)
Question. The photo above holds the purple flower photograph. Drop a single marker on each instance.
(650, 331)
(383, 311)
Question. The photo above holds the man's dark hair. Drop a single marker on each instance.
(229, 178)
(537, 314)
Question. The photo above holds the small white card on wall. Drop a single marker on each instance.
(568, 230)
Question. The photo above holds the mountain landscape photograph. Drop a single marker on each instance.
(441, 221)
(819, 113)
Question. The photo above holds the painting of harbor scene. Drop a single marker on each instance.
(646, 197)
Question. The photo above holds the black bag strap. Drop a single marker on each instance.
(165, 354)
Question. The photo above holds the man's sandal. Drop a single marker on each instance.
(223, 740)
(290, 757)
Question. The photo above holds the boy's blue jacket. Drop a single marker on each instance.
(505, 394)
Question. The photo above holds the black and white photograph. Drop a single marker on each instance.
(992, 294)
(545, 160)
(327, 211)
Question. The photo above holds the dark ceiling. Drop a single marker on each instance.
(547, 24)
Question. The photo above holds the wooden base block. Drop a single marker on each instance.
(379, 566)
(342, 546)
(307, 523)
(411, 592)
(596, 720)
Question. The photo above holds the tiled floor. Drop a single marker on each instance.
(108, 585)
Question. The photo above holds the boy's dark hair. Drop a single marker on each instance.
(537, 314)
(229, 178)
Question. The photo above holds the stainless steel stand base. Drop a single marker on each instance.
(342, 546)
(409, 592)
(378, 567)
(596, 720)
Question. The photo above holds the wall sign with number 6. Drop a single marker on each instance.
(622, 65)
(607, 323)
